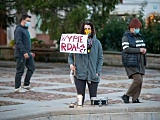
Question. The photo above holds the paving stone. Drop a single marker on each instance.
(54, 92)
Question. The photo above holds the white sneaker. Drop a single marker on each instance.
(19, 90)
(29, 88)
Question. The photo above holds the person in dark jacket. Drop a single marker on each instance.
(134, 59)
(88, 66)
(23, 55)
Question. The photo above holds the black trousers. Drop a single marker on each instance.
(21, 63)
(81, 86)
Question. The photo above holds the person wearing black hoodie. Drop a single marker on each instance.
(23, 55)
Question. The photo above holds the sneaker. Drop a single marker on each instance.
(20, 90)
(29, 88)
(125, 98)
(136, 101)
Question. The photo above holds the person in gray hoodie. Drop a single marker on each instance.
(87, 67)
(23, 55)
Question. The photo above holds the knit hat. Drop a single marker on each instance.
(135, 23)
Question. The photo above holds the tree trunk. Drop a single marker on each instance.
(20, 11)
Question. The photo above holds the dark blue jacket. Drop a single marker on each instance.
(22, 41)
(131, 45)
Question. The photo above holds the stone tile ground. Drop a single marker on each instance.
(56, 77)
(51, 83)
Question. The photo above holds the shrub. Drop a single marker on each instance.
(12, 43)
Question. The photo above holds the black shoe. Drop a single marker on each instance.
(125, 98)
(136, 101)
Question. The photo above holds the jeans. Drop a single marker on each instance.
(21, 63)
(81, 85)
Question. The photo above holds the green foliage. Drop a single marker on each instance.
(74, 19)
(36, 41)
(152, 36)
(12, 43)
(115, 27)
(100, 13)
(33, 41)
(64, 16)
(112, 33)
(151, 31)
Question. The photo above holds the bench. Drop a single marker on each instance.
(44, 50)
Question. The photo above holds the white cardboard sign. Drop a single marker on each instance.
(73, 43)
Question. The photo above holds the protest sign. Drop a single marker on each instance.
(73, 43)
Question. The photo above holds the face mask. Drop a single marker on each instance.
(87, 31)
(27, 24)
(136, 30)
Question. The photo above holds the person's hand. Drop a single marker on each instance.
(143, 50)
(72, 67)
(26, 56)
(33, 55)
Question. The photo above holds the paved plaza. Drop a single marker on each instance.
(53, 92)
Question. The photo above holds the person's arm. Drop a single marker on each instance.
(71, 61)
(100, 58)
(18, 39)
(126, 48)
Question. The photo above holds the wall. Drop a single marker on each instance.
(110, 58)
(114, 58)
(104, 116)
(133, 7)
